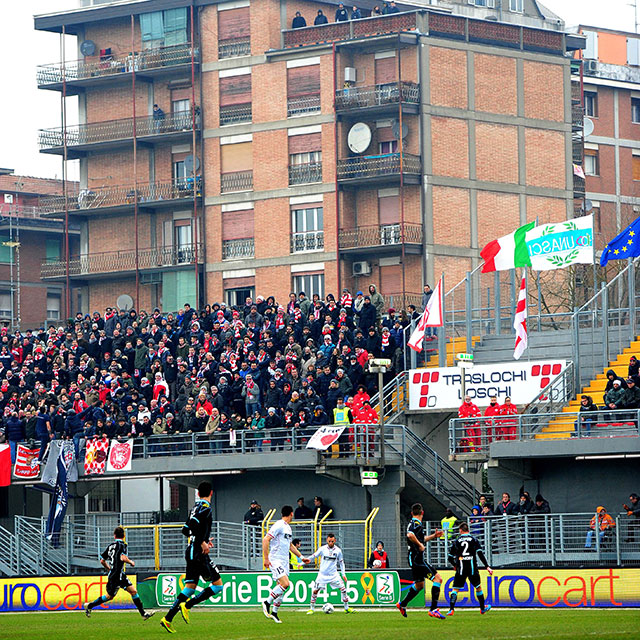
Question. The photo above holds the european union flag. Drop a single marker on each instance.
(624, 245)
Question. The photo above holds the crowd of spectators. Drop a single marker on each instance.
(261, 366)
(344, 15)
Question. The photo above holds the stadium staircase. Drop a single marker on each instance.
(557, 429)
(454, 346)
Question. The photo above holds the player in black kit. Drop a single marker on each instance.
(462, 555)
(420, 569)
(113, 559)
(199, 564)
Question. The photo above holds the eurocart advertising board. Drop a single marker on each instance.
(364, 588)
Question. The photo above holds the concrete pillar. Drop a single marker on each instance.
(386, 526)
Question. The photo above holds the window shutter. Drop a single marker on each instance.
(237, 283)
(235, 90)
(633, 51)
(233, 24)
(303, 81)
(389, 209)
(152, 26)
(305, 144)
(386, 70)
(635, 165)
(591, 50)
(391, 279)
(385, 134)
(236, 157)
(237, 225)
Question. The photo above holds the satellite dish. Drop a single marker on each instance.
(190, 164)
(359, 137)
(587, 127)
(588, 205)
(88, 48)
(395, 129)
(124, 302)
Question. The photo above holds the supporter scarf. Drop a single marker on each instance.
(297, 314)
(316, 312)
(346, 300)
(237, 327)
(279, 322)
(385, 339)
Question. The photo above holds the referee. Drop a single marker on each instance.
(420, 569)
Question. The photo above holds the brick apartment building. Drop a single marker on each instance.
(28, 241)
(611, 83)
(385, 150)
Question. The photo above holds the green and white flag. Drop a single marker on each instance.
(559, 245)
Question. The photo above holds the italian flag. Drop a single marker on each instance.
(507, 252)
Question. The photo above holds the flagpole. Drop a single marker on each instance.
(442, 333)
(526, 306)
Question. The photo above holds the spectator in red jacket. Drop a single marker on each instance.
(507, 428)
(469, 410)
(366, 414)
(491, 412)
(360, 398)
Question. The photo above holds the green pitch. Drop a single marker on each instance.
(366, 625)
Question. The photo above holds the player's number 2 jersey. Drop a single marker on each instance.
(463, 552)
(280, 543)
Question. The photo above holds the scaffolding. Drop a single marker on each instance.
(13, 243)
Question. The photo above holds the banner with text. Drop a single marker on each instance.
(364, 588)
(440, 389)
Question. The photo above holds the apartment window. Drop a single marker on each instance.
(591, 104)
(515, 5)
(5, 304)
(307, 229)
(309, 283)
(635, 110)
(164, 28)
(305, 167)
(389, 146)
(237, 297)
(234, 35)
(635, 167)
(181, 106)
(597, 220)
(105, 497)
(6, 252)
(52, 248)
(591, 162)
(236, 167)
(179, 172)
(235, 99)
(238, 235)
(303, 90)
(53, 307)
(483, 3)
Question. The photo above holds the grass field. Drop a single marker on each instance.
(368, 625)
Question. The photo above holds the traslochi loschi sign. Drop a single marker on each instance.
(440, 389)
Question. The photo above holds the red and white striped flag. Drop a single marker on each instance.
(520, 321)
(432, 317)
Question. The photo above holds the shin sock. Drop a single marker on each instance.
(205, 594)
(183, 596)
(278, 601)
(480, 595)
(411, 594)
(435, 595)
(314, 597)
(345, 598)
(98, 601)
(276, 592)
(138, 603)
(452, 600)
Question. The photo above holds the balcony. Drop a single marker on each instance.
(120, 199)
(234, 48)
(31, 218)
(235, 114)
(380, 98)
(303, 105)
(122, 263)
(173, 127)
(238, 249)
(384, 239)
(305, 173)
(236, 181)
(96, 70)
(382, 169)
(307, 241)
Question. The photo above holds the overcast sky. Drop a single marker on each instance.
(24, 109)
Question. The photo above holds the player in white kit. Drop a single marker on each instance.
(276, 546)
(331, 559)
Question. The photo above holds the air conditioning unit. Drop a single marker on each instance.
(590, 66)
(350, 74)
(361, 268)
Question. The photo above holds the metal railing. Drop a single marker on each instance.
(554, 540)
(96, 132)
(121, 195)
(234, 48)
(377, 95)
(401, 301)
(362, 167)
(475, 435)
(21, 211)
(307, 241)
(236, 181)
(395, 397)
(556, 394)
(235, 113)
(305, 173)
(115, 65)
(302, 105)
(238, 249)
(9, 561)
(380, 235)
(124, 260)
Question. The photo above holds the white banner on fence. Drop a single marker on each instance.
(324, 437)
(120, 455)
(440, 389)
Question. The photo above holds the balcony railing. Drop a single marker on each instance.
(96, 132)
(303, 105)
(234, 48)
(402, 300)
(377, 96)
(119, 196)
(307, 241)
(125, 260)
(20, 211)
(236, 181)
(238, 249)
(380, 235)
(235, 113)
(363, 167)
(114, 65)
(305, 173)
